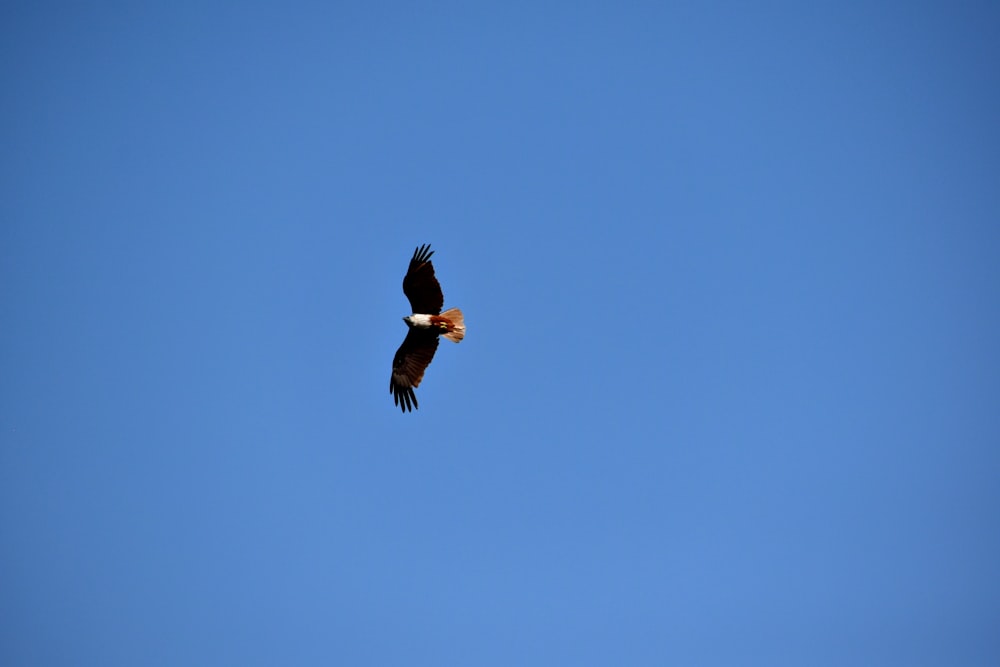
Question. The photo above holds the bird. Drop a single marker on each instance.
(425, 326)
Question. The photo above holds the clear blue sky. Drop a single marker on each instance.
(730, 393)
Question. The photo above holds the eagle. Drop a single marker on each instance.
(426, 325)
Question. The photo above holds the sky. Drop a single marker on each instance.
(730, 390)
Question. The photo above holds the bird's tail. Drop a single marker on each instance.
(455, 323)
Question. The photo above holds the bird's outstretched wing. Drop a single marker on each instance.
(409, 364)
(420, 286)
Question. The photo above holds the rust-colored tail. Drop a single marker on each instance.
(455, 323)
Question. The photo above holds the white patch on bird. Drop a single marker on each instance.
(419, 321)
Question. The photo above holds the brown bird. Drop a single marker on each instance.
(426, 324)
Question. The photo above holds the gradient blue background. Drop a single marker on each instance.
(730, 393)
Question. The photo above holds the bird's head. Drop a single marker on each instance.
(408, 320)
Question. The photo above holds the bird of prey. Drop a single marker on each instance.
(426, 324)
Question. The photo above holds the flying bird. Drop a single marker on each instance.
(426, 324)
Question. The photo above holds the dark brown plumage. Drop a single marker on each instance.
(420, 286)
(408, 366)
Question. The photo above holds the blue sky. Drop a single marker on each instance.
(730, 392)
